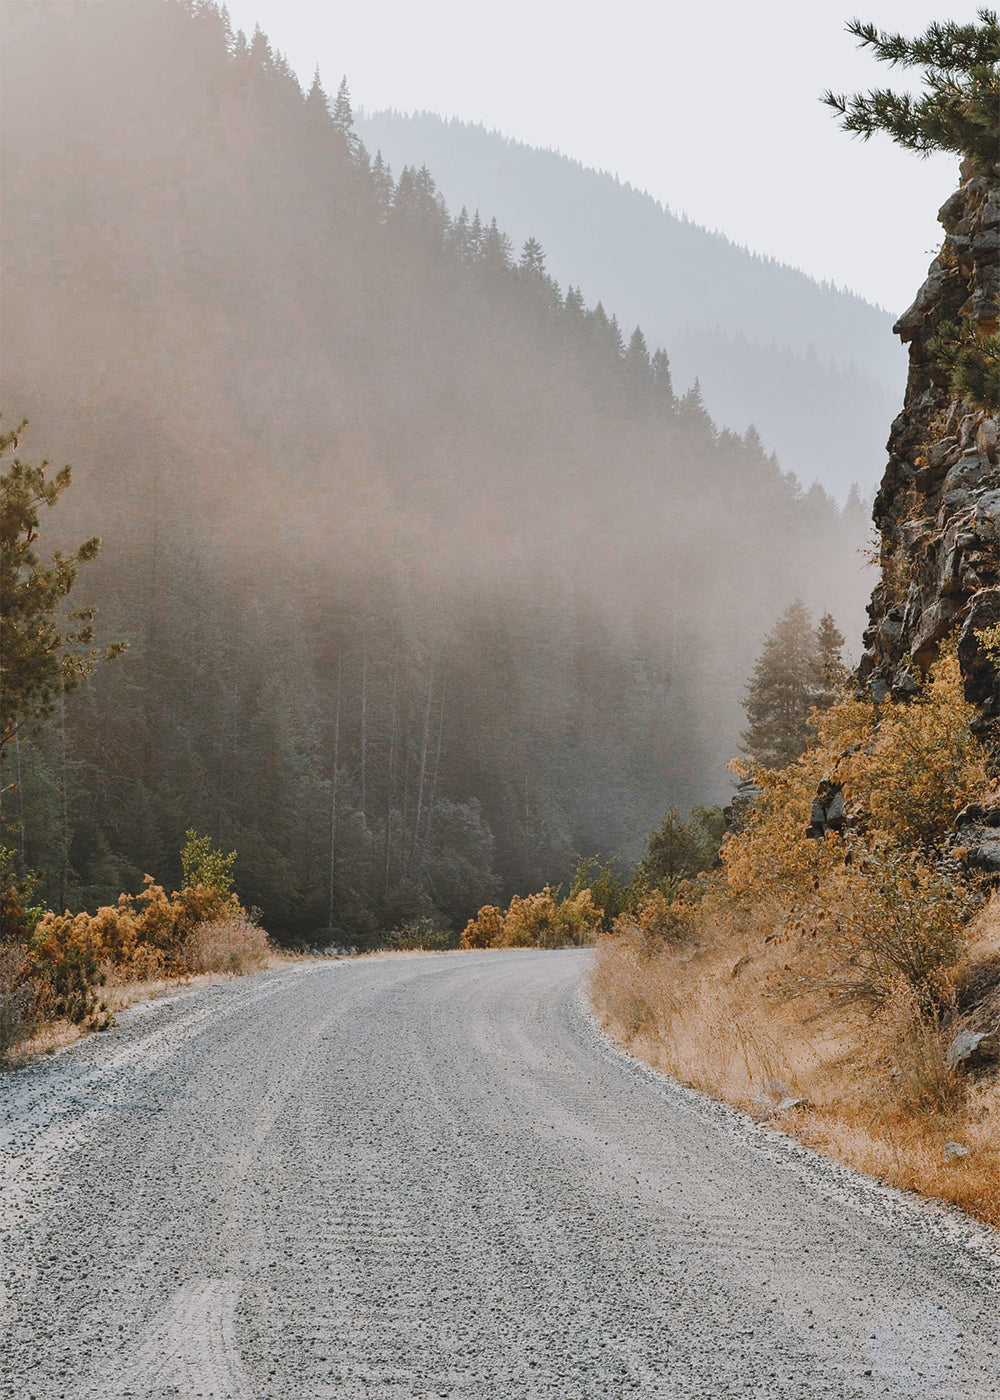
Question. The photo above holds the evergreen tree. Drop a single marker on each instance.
(343, 118)
(574, 303)
(495, 249)
(637, 362)
(382, 187)
(831, 671)
(782, 689)
(678, 849)
(662, 379)
(532, 264)
(960, 109)
(39, 663)
(692, 411)
(959, 112)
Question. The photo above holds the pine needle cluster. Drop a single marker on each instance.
(960, 109)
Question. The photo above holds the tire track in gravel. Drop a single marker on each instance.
(432, 1176)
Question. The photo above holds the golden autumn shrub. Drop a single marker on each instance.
(659, 919)
(905, 769)
(233, 943)
(530, 921)
(23, 999)
(541, 920)
(201, 927)
(903, 917)
(838, 966)
(485, 930)
(577, 919)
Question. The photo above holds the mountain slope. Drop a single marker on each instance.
(430, 583)
(816, 369)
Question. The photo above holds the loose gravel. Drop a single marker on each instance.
(433, 1176)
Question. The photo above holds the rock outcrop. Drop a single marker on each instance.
(938, 508)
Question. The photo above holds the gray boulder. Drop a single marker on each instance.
(972, 1049)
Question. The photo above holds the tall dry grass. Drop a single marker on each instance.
(234, 943)
(745, 1008)
(22, 1000)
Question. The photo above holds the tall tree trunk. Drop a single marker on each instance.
(234, 751)
(22, 869)
(387, 856)
(424, 745)
(432, 801)
(364, 725)
(333, 803)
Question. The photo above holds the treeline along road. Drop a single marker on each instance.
(431, 1176)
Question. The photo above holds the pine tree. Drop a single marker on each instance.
(574, 304)
(532, 264)
(662, 379)
(959, 110)
(495, 249)
(382, 187)
(38, 663)
(692, 412)
(343, 118)
(781, 691)
(637, 361)
(831, 671)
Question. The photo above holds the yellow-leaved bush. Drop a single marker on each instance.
(540, 920)
(201, 927)
(883, 894)
(844, 966)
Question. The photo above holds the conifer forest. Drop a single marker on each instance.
(432, 578)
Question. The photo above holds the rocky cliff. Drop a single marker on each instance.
(938, 508)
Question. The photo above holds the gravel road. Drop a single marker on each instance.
(431, 1176)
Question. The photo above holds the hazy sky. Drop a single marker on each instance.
(712, 108)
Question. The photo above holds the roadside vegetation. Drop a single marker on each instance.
(839, 972)
(66, 968)
(75, 970)
(828, 978)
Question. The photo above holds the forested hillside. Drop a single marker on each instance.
(812, 365)
(430, 578)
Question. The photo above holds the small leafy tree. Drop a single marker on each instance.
(831, 671)
(203, 865)
(610, 895)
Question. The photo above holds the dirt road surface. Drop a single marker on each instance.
(431, 1176)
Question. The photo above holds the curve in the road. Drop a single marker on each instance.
(432, 1176)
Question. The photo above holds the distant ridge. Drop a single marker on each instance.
(814, 366)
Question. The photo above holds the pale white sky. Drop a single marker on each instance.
(713, 108)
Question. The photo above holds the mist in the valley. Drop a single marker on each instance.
(433, 579)
(814, 366)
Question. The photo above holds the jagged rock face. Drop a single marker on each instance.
(938, 508)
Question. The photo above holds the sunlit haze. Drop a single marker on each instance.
(712, 109)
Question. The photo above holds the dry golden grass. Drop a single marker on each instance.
(756, 1023)
(233, 943)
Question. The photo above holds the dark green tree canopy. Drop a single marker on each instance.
(38, 661)
(960, 109)
(678, 849)
(799, 668)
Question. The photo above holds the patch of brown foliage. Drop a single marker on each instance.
(820, 983)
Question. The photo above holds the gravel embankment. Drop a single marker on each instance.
(430, 1176)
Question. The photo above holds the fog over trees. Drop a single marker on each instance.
(815, 367)
(433, 577)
